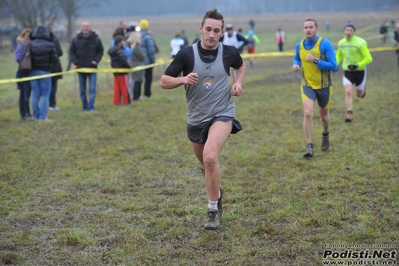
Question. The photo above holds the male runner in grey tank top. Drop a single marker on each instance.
(210, 109)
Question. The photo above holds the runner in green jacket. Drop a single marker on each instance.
(355, 56)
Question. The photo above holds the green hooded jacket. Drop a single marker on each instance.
(353, 51)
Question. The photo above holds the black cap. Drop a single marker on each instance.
(350, 25)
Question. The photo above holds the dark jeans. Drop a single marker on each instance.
(280, 47)
(148, 82)
(69, 61)
(92, 79)
(52, 101)
(24, 96)
(137, 90)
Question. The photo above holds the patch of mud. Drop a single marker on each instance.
(281, 78)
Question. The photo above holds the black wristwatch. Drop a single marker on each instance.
(316, 60)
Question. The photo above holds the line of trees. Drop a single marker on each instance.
(31, 13)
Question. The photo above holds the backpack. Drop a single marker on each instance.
(25, 65)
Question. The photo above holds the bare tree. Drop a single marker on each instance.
(71, 8)
(3, 9)
(30, 13)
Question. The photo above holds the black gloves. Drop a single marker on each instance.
(352, 67)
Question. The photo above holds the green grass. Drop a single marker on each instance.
(121, 186)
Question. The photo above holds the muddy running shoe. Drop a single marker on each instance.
(309, 153)
(214, 216)
(364, 93)
(325, 143)
(349, 117)
(212, 219)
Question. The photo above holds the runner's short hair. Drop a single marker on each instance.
(214, 14)
(310, 19)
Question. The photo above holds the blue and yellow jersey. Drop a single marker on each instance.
(313, 76)
(316, 76)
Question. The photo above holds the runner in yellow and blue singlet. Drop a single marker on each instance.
(316, 57)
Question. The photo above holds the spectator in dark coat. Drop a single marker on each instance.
(55, 68)
(43, 57)
(86, 51)
(24, 87)
(396, 40)
(384, 32)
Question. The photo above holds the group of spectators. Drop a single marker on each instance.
(250, 40)
(384, 30)
(230, 37)
(132, 45)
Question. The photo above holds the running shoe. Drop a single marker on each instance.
(309, 153)
(325, 143)
(212, 219)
